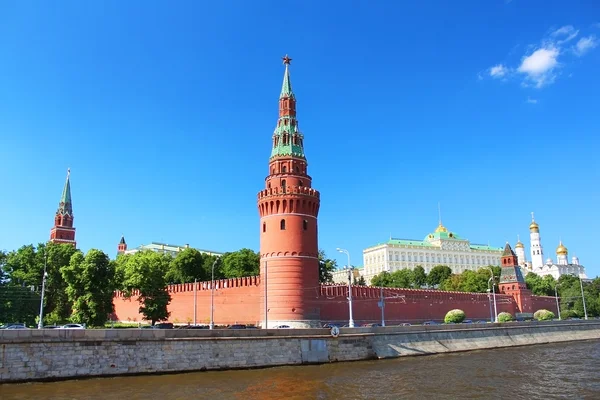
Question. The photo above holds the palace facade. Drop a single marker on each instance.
(441, 247)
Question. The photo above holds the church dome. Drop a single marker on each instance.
(534, 227)
(561, 250)
(519, 245)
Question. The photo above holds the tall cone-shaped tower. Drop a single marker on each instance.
(288, 208)
(63, 230)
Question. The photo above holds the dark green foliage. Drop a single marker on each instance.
(90, 287)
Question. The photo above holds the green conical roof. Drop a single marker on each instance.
(286, 87)
(65, 206)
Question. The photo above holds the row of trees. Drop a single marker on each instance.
(79, 288)
(441, 277)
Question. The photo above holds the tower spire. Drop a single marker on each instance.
(63, 230)
(440, 213)
(286, 88)
(65, 206)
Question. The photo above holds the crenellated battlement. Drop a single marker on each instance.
(288, 190)
(372, 292)
(230, 283)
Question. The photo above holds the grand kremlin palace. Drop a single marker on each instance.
(440, 247)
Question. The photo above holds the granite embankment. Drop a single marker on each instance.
(28, 355)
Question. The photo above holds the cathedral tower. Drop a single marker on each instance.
(520, 250)
(537, 252)
(288, 208)
(122, 247)
(512, 281)
(63, 231)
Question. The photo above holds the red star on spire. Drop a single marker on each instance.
(286, 60)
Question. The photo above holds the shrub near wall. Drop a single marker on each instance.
(505, 317)
(454, 317)
(543, 315)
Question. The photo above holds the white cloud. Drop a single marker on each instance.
(531, 101)
(565, 34)
(585, 44)
(498, 71)
(539, 66)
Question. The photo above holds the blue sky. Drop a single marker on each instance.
(164, 112)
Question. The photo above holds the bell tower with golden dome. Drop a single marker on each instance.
(520, 251)
(537, 252)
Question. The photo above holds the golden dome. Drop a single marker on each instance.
(519, 245)
(441, 228)
(534, 227)
(561, 250)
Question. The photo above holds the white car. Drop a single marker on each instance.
(73, 326)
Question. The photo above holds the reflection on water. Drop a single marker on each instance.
(570, 370)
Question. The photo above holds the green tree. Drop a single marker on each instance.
(90, 286)
(402, 278)
(244, 262)
(25, 268)
(438, 274)
(360, 281)
(383, 279)
(326, 268)
(187, 266)
(146, 272)
(419, 277)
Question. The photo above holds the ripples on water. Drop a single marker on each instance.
(568, 370)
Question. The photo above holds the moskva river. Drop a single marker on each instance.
(556, 371)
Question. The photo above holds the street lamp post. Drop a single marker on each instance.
(583, 297)
(41, 321)
(490, 301)
(556, 297)
(212, 296)
(494, 295)
(351, 319)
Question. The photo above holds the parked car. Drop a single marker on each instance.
(237, 326)
(163, 325)
(15, 326)
(73, 326)
(370, 325)
(283, 327)
(467, 321)
(430, 323)
(405, 324)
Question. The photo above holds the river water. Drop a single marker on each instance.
(568, 370)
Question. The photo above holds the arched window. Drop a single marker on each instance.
(282, 225)
(283, 184)
(300, 183)
(264, 226)
(284, 169)
(305, 224)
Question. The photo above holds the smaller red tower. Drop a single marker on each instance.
(122, 247)
(63, 230)
(512, 281)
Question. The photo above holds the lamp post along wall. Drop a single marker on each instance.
(41, 321)
(557, 303)
(583, 298)
(212, 296)
(351, 318)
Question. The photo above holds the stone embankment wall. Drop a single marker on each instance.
(27, 355)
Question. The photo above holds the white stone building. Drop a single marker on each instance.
(441, 247)
(537, 265)
(171, 249)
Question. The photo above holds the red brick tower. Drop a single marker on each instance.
(122, 247)
(512, 281)
(288, 209)
(63, 231)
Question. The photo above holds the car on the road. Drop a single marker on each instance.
(14, 326)
(283, 327)
(73, 326)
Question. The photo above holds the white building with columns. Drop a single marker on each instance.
(441, 247)
(537, 264)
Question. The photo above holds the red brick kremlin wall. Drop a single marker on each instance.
(241, 300)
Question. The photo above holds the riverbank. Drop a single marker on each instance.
(35, 355)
